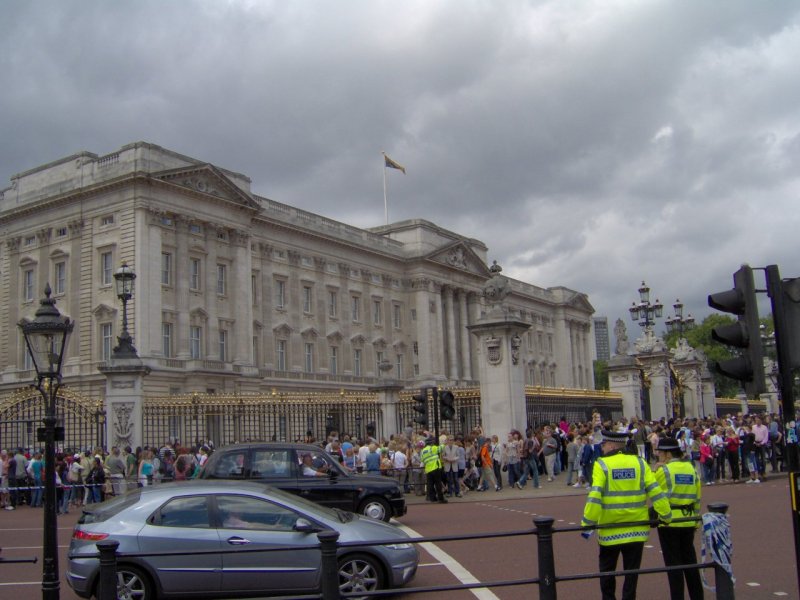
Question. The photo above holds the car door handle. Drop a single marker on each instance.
(238, 541)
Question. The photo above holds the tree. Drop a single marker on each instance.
(600, 374)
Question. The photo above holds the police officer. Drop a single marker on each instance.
(621, 485)
(431, 460)
(680, 483)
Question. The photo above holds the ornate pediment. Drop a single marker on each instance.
(459, 256)
(581, 302)
(282, 330)
(209, 180)
(334, 337)
(104, 311)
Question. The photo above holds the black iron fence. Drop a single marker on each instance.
(331, 549)
(228, 419)
(21, 416)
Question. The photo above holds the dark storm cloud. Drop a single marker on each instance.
(589, 144)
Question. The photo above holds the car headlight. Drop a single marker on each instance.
(404, 546)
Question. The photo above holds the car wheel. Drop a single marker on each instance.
(133, 584)
(359, 573)
(376, 507)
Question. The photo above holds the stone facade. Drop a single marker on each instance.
(236, 293)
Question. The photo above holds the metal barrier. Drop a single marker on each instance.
(330, 548)
(12, 561)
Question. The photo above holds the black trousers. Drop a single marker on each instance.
(631, 559)
(677, 546)
(434, 481)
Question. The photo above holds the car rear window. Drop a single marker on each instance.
(97, 513)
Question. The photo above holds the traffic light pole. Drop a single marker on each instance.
(783, 343)
(435, 397)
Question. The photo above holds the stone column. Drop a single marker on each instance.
(182, 287)
(502, 373)
(452, 348)
(240, 293)
(466, 355)
(624, 378)
(123, 404)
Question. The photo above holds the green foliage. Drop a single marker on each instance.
(600, 375)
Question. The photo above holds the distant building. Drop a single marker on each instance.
(602, 343)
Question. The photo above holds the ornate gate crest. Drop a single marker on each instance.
(494, 349)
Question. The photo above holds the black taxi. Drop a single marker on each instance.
(309, 472)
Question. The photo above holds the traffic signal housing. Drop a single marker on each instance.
(748, 368)
(447, 405)
(421, 407)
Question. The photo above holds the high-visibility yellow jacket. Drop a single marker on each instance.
(430, 458)
(682, 487)
(621, 485)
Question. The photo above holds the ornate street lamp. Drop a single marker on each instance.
(46, 339)
(124, 279)
(645, 312)
(678, 322)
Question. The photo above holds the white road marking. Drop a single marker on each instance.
(436, 564)
(21, 583)
(753, 584)
(452, 565)
(781, 594)
(29, 547)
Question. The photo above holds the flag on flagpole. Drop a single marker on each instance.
(393, 165)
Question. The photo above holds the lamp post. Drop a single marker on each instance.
(645, 312)
(124, 278)
(678, 322)
(46, 339)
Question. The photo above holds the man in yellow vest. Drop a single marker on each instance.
(680, 483)
(431, 460)
(621, 485)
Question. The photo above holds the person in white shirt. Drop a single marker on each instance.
(400, 464)
(362, 458)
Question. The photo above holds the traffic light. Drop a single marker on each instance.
(745, 333)
(447, 405)
(421, 407)
(785, 294)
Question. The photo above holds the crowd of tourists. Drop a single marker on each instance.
(89, 476)
(730, 449)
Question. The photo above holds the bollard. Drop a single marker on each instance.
(107, 584)
(329, 573)
(547, 563)
(724, 584)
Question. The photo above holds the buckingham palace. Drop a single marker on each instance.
(240, 294)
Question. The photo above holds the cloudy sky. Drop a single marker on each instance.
(589, 144)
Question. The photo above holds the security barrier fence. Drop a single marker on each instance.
(331, 550)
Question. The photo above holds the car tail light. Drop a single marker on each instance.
(85, 536)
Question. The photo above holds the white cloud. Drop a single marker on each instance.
(589, 144)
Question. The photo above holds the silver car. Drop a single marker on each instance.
(218, 516)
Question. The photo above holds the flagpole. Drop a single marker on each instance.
(385, 201)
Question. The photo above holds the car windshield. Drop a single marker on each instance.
(97, 513)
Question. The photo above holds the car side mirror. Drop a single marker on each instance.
(305, 526)
(333, 473)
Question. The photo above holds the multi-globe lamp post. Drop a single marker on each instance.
(678, 322)
(645, 312)
(46, 339)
